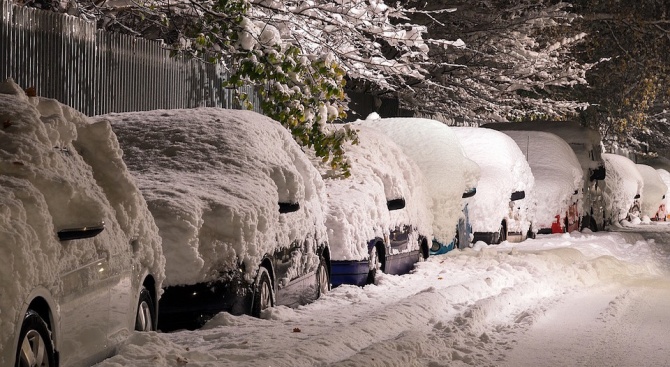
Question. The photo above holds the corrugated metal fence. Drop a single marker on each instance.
(97, 72)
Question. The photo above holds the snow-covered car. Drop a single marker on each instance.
(378, 217)
(662, 214)
(653, 193)
(499, 212)
(450, 176)
(81, 264)
(586, 143)
(238, 205)
(558, 180)
(623, 188)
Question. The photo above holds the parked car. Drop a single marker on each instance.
(653, 193)
(558, 180)
(238, 205)
(80, 259)
(451, 177)
(623, 188)
(586, 143)
(378, 218)
(499, 211)
(662, 214)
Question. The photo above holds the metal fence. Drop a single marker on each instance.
(98, 72)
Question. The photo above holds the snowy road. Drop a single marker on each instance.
(560, 300)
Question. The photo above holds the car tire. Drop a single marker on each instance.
(322, 278)
(35, 344)
(145, 318)
(263, 297)
(375, 265)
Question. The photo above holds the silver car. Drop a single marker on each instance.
(81, 263)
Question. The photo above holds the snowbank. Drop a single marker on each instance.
(213, 179)
(653, 191)
(556, 170)
(60, 171)
(357, 210)
(504, 170)
(437, 152)
(622, 184)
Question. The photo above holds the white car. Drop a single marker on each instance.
(623, 188)
(378, 218)
(239, 209)
(81, 264)
(558, 180)
(499, 212)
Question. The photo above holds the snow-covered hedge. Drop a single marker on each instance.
(213, 179)
(653, 191)
(622, 183)
(59, 171)
(357, 205)
(504, 170)
(437, 152)
(556, 170)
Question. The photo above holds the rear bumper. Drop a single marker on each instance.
(353, 272)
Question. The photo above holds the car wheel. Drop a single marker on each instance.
(262, 293)
(322, 278)
(35, 345)
(375, 265)
(145, 318)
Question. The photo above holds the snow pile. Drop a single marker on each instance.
(437, 152)
(653, 191)
(504, 170)
(464, 308)
(622, 183)
(59, 171)
(213, 179)
(357, 210)
(556, 170)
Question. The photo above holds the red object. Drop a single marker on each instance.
(556, 226)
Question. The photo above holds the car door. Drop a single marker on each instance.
(123, 288)
(84, 310)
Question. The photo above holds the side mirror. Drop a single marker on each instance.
(598, 174)
(576, 192)
(395, 204)
(517, 195)
(80, 233)
(470, 193)
(637, 196)
(288, 207)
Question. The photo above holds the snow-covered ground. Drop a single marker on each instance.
(587, 299)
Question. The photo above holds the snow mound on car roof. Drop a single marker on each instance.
(213, 179)
(653, 191)
(357, 205)
(504, 170)
(59, 171)
(622, 183)
(556, 170)
(439, 155)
